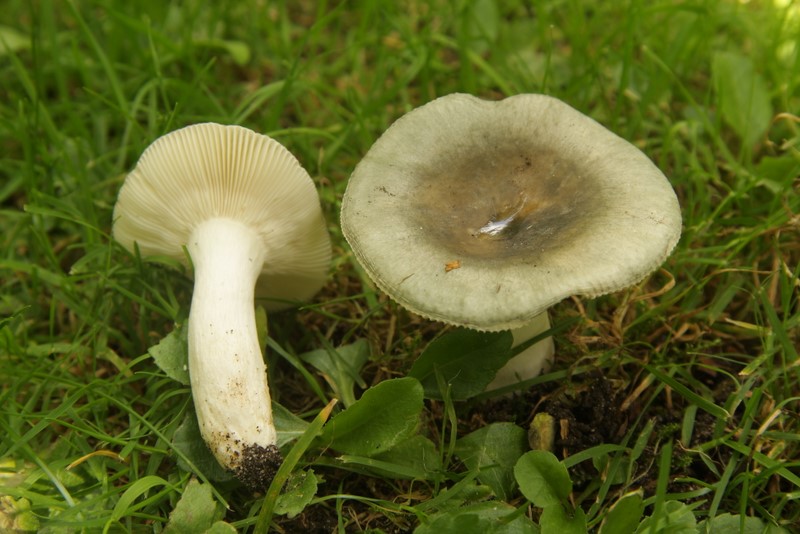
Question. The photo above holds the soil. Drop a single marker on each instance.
(586, 414)
(323, 518)
(588, 411)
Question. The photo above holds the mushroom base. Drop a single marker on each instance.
(530, 363)
(258, 466)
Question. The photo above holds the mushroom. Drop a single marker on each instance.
(249, 217)
(531, 200)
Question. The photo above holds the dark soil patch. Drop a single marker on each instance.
(358, 516)
(585, 414)
(588, 412)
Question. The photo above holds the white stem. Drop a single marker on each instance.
(226, 367)
(530, 363)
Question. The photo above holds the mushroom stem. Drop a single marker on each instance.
(226, 366)
(531, 362)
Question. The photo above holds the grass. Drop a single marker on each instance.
(702, 376)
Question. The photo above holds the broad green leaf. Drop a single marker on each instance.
(725, 523)
(385, 415)
(416, 457)
(542, 479)
(135, 490)
(171, 354)
(556, 519)
(744, 100)
(196, 510)
(487, 517)
(778, 174)
(493, 451)
(341, 367)
(621, 467)
(466, 359)
(297, 493)
(465, 492)
(287, 424)
(221, 527)
(675, 518)
(70, 479)
(188, 441)
(624, 515)
(12, 40)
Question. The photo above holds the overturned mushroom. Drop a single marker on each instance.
(533, 200)
(249, 216)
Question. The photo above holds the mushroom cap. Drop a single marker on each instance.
(484, 214)
(207, 171)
